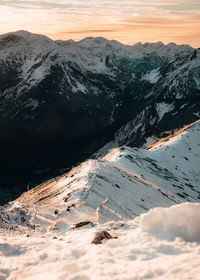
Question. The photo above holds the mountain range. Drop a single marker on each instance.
(99, 159)
(65, 101)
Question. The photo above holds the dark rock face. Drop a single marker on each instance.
(62, 101)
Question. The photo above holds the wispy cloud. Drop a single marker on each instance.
(183, 7)
(88, 31)
(126, 20)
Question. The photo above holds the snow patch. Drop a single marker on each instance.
(32, 103)
(149, 141)
(152, 76)
(79, 88)
(197, 81)
(163, 108)
(197, 114)
(181, 220)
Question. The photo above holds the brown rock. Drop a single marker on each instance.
(100, 236)
(81, 224)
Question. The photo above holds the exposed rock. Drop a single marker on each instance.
(81, 224)
(101, 236)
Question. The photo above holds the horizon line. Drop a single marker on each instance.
(96, 37)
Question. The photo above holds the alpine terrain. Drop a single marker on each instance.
(100, 152)
(130, 214)
(63, 102)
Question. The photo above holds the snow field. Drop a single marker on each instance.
(138, 253)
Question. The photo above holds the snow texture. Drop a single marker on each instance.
(136, 254)
(152, 76)
(177, 221)
(163, 108)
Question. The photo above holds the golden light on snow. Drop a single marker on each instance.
(158, 234)
(124, 20)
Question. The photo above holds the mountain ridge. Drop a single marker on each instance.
(118, 186)
(28, 33)
(61, 99)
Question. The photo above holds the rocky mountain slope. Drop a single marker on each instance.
(62, 101)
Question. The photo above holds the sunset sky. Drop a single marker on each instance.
(127, 21)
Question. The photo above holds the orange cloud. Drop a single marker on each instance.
(124, 20)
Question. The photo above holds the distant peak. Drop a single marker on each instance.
(65, 42)
(94, 40)
(139, 44)
(23, 34)
(158, 44)
(149, 45)
(20, 33)
(172, 44)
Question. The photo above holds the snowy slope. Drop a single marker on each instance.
(139, 57)
(38, 234)
(172, 163)
(111, 47)
(137, 253)
(37, 54)
(180, 79)
(120, 186)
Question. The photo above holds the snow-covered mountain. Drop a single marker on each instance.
(63, 100)
(137, 58)
(119, 186)
(51, 230)
(174, 99)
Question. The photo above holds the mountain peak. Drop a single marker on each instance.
(22, 33)
(18, 33)
(157, 44)
(93, 42)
